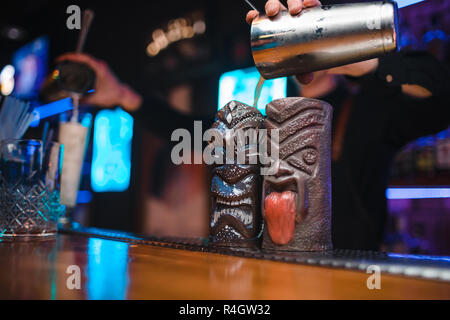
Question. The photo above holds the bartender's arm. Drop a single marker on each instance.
(155, 114)
(109, 91)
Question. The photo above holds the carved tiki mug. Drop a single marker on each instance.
(236, 186)
(296, 195)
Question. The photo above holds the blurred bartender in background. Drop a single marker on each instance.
(401, 96)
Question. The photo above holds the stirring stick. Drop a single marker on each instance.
(251, 5)
(88, 16)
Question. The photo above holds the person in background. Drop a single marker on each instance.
(402, 96)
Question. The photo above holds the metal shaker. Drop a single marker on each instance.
(323, 37)
(69, 77)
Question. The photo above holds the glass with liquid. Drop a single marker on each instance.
(73, 133)
(30, 206)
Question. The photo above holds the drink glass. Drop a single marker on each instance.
(29, 189)
(73, 134)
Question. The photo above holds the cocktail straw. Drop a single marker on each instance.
(15, 118)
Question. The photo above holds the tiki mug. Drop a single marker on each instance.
(236, 182)
(296, 192)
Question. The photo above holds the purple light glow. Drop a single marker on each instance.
(417, 193)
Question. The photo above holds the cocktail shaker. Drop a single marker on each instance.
(323, 37)
(69, 77)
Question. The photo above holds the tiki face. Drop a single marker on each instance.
(296, 201)
(235, 186)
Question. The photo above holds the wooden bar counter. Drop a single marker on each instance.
(111, 269)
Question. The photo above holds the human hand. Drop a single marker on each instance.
(357, 69)
(273, 7)
(109, 91)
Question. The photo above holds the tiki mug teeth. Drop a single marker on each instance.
(235, 219)
(296, 192)
(323, 37)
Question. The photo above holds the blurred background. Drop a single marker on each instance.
(188, 52)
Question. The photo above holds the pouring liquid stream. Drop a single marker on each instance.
(258, 90)
(76, 103)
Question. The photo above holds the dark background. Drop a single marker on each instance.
(120, 34)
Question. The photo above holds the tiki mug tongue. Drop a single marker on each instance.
(298, 219)
(280, 211)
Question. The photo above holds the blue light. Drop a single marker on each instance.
(48, 110)
(86, 121)
(419, 257)
(405, 3)
(434, 34)
(84, 196)
(111, 164)
(53, 108)
(240, 85)
(107, 269)
(417, 193)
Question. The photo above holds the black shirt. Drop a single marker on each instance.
(381, 120)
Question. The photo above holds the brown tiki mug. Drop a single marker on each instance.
(296, 195)
(236, 186)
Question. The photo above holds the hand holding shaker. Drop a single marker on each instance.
(323, 37)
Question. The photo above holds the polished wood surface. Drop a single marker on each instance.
(118, 270)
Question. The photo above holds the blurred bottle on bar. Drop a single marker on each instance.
(443, 150)
(425, 156)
